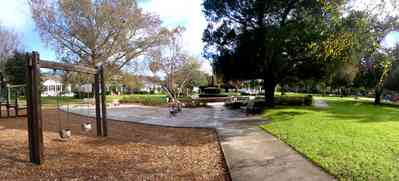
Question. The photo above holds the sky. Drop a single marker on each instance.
(15, 14)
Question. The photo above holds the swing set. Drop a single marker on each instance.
(34, 112)
(9, 97)
(64, 132)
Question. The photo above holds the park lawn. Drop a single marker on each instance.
(353, 140)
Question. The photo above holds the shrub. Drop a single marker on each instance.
(149, 100)
(213, 95)
(294, 100)
(211, 90)
(191, 103)
(82, 95)
(308, 100)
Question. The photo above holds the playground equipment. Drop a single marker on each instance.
(175, 105)
(9, 98)
(87, 125)
(64, 132)
(35, 122)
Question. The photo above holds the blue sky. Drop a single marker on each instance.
(15, 14)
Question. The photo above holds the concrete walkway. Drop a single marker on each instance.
(251, 153)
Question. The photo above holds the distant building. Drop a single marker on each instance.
(150, 84)
(150, 87)
(53, 86)
(86, 88)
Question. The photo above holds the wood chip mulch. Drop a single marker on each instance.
(131, 152)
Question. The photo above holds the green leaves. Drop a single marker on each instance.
(15, 69)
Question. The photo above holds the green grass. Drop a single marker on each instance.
(353, 140)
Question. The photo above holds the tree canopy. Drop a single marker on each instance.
(10, 42)
(14, 69)
(113, 33)
(272, 40)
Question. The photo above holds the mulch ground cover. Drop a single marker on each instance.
(131, 152)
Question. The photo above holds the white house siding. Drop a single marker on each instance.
(55, 88)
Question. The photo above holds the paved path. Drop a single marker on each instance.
(251, 154)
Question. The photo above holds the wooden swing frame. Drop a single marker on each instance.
(34, 112)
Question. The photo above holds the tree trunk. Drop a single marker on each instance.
(377, 99)
(269, 87)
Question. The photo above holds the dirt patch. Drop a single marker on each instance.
(131, 152)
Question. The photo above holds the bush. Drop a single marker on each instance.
(308, 100)
(149, 100)
(211, 90)
(82, 95)
(191, 103)
(212, 95)
(194, 104)
(294, 100)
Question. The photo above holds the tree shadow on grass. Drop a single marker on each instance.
(288, 115)
(362, 112)
(357, 111)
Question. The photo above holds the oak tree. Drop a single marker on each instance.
(92, 32)
(270, 40)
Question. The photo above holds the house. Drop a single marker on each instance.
(150, 84)
(53, 86)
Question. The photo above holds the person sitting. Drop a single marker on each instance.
(172, 108)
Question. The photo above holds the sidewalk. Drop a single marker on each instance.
(251, 153)
(254, 155)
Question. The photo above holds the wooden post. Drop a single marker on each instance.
(98, 104)
(8, 101)
(103, 103)
(16, 103)
(35, 122)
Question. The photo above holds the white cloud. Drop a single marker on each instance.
(389, 8)
(206, 67)
(15, 14)
(391, 40)
(186, 13)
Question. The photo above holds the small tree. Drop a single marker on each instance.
(373, 73)
(169, 58)
(131, 81)
(189, 75)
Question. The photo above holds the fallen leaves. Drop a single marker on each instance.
(131, 152)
